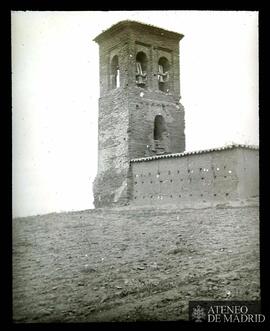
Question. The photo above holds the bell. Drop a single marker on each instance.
(140, 80)
(161, 79)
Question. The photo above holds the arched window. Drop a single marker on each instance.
(115, 73)
(159, 127)
(163, 74)
(161, 136)
(141, 69)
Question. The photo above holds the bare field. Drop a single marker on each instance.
(132, 265)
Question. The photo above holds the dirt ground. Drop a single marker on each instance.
(132, 265)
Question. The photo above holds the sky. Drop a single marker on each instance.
(55, 91)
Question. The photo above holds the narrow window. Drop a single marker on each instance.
(117, 78)
(163, 74)
(141, 69)
(115, 73)
(161, 136)
(159, 127)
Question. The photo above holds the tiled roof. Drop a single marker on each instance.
(177, 155)
(136, 23)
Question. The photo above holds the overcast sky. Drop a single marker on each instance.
(55, 90)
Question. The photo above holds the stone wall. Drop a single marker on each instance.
(110, 184)
(215, 176)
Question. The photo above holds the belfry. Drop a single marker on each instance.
(139, 107)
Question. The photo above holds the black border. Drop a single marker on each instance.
(6, 231)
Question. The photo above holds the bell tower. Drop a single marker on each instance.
(140, 113)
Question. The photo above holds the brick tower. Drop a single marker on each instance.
(139, 106)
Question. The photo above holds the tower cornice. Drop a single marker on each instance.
(135, 25)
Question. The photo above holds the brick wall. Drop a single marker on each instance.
(143, 111)
(127, 113)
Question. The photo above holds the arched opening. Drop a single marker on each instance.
(141, 69)
(115, 73)
(163, 74)
(160, 135)
(159, 127)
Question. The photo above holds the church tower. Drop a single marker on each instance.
(139, 106)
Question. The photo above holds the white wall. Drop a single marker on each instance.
(55, 87)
